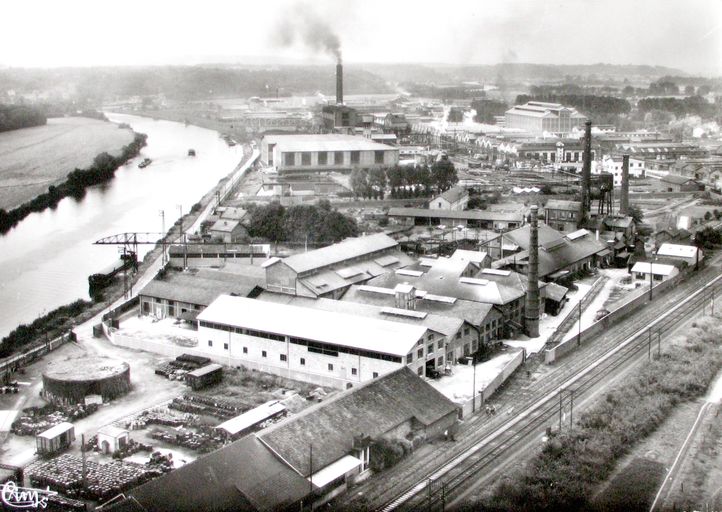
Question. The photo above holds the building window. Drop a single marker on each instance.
(354, 371)
(330, 367)
(420, 353)
(420, 371)
(466, 331)
(283, 357)
(355, 157)
(409, 358)
(289, 159)
(458, 335)
(466, 349)
(440, 344)
(322, 158)
(378, 157)
(263, 353)
(210, 343)
(245, 350)
(305, 158)
(440, 361)
(338, 157)
(429, 348)
(303, 361)
(375, 374)
(225, 346)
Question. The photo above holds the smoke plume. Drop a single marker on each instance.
(304, 26)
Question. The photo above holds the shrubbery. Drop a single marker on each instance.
(564, 474)
(386, 453)
(102, 170)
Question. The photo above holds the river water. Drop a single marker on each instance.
(45, 260)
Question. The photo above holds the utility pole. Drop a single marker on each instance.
(183, 237)
(473, 391)
(579, 333)
(560, 409)
(571, 410)
(162, 217)
(649, 345)
(310, 467)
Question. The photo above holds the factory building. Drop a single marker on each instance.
(538, 117)
(456, 198)
(448, 338)
(326, 348)
(325, 152)
(329, 271)
(278, 474)
(484, 219)
(562, 215)
(612, 164)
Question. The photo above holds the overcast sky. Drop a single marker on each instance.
(685, 34)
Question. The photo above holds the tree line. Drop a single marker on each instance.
(102, 170)
(316, 224)
(680, 107)
(404, 181)
(13, 117)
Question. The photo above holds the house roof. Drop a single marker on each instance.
(453, 195)
(556, 250)
(477, 257)
(201, 288)
(618, 222)
(338, 328)
(232, 212)
(242, 476)
(339, 252)
(324, 142)
(371, 409)
(555, 292)
(675, 179)
(56, 430)
(677, 251)
(225, 225)
(456, 214)
(559, 204)
(646, 267)
(474, 313)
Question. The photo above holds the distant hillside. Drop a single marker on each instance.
(189, 82)
(512, 72)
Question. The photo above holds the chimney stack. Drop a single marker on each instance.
(531, 308)
(624, 199)
(339, 83)
(586, 175)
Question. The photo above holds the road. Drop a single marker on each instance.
(520, 404)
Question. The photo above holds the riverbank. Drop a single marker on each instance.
(101, 171)
(64, 318)
(197, 118)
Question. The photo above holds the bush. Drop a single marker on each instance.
(563, 475)
(386, 453)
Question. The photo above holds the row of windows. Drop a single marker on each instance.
(239, 330)
(324, 157)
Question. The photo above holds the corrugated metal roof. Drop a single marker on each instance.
(325, 142)
(329, 327)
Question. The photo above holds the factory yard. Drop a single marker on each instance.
(35, 158)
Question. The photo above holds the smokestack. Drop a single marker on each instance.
(339, 83)
(586, 175)
(531, 308)
(624, 199)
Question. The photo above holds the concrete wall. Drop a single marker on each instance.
(639, 298)
(467, 407)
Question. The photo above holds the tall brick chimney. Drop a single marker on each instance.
(624, 198)
(531, 307)
(339, 83)
(586, 175)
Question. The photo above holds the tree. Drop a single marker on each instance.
(443, 175)
(689, 90)
(487, 109)
(628, 90)
(267, 222)
(335, 227)
(360, 182)
(377, 180)
(300, 222)
(456, 115)
(636, 213)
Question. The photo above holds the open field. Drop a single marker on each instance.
(31, 159)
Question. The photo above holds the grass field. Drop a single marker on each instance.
(32, 159)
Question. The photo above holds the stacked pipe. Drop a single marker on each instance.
(586, 175)
(624, 199)
(531, 308)
(339, 83)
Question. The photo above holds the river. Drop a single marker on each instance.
(45, 260)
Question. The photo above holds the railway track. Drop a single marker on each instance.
(519, 394)
(448, 482)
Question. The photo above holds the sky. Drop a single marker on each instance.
(684, 34)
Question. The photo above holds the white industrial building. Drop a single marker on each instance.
(325, 152)
(538, 117)
(613, 165)
(326, 348)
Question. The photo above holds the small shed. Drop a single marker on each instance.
(205, 376)
(111, 439)
(238, 426)
(556, 297)
(55, 438)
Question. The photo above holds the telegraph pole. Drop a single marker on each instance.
(183, 238)
(162, 240)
